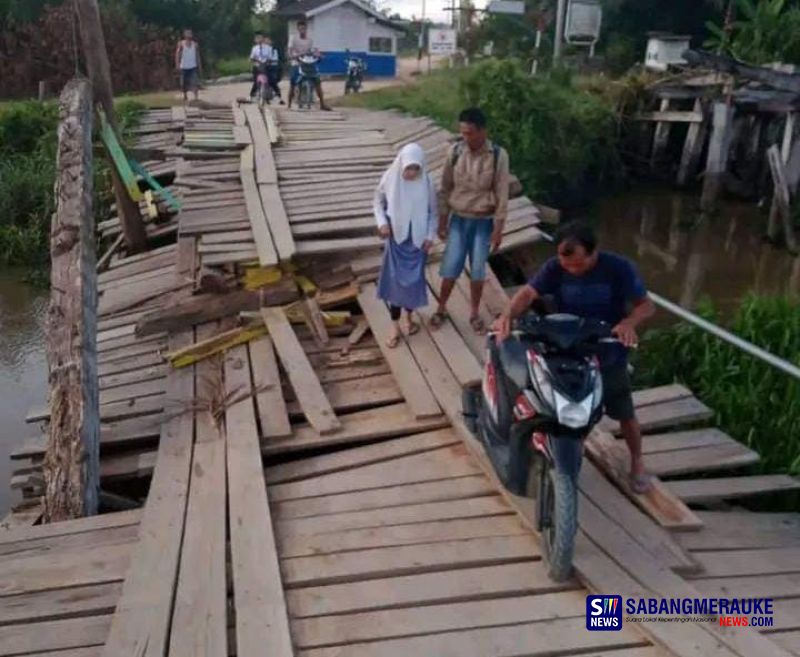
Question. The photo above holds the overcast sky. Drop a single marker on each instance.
(434, 9)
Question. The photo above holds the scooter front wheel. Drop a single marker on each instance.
(558, 509)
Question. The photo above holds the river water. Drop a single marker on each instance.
(23, 368)
(723, 259)
(684, 258)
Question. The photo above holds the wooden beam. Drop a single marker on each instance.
(72, 465)
(262, 622)
(207, 307)
(718, 150)
(96, 58)
(728, 488)
(781, 200)
(305, 383)
(267, 255)
(693, 147)
(141, 622)
(666, 116)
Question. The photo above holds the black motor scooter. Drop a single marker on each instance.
(540, 397)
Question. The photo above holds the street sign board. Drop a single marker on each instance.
(584, 19)
(441, 42)
(506, 7)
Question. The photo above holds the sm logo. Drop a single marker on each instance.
(604, 613)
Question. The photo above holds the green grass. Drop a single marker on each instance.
(436, 96)
(28, 143)
(753, 402)
(232, 66)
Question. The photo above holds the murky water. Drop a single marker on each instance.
(685, 259)
(23, 368)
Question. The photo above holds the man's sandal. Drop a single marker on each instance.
(437, 319)
(477, 325)
(641, 484)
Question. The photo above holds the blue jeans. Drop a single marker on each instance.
(467, 237)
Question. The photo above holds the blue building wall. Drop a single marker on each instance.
(334, 63)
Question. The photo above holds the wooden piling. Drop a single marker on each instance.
(781, 201)
(718, 150)
(693, 147)
(782, 189)
(97, 65)
(71, 466)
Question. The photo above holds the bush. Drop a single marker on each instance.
(28, 142)
(233, 66)
(562, 140)
(754, 402)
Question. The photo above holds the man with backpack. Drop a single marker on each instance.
(472, 210)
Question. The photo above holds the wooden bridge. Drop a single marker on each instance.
(305, 490)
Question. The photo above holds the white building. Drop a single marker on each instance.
(340, 25)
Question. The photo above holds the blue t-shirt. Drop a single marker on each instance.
(605, 292)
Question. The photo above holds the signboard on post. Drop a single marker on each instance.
(506, 7)
(441, 42)
(584, 18)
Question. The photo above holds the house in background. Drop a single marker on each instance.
(340, 25)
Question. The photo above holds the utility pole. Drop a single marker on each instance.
(96, 58)
(560, 17)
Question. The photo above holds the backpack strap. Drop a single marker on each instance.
(458, 148)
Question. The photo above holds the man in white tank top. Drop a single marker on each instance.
(188, 64)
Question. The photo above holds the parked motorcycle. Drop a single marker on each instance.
(308, 80)
(356, 68)
(540, 397)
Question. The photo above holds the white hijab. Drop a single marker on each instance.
(408, 203)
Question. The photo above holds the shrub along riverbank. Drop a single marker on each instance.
(754, 402)
(28, 141)
(562, 139)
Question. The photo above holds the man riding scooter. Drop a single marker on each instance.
(299, 45)
(593, 284)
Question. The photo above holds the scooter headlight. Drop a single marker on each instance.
(574, 415)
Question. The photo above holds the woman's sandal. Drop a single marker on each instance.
(437, 319)
(413, 328)
(477, 325)
(393, 342)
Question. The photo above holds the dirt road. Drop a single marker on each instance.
(224, 94)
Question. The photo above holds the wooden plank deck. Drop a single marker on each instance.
(313, 498)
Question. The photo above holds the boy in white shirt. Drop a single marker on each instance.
(264, 53)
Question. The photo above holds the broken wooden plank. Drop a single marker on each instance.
(262, 623)
(208, 307)
(726, 488)
(304, 380)
(278, 222)
(214, 345)
(415, 389)
(272, 413)
(199, 620)
(140, 624)
(611, 456)
(267, 253)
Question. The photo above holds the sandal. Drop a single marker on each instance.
(437, 319)
(478, 325)
(413, 328)
(393, 342)
(641, 484)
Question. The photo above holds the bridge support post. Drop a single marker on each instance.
(97, 66)
(71, 465)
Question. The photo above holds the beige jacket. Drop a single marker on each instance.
(474, 188)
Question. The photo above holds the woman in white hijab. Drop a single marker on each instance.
(406, 212)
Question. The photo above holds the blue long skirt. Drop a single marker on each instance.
(402, 279)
